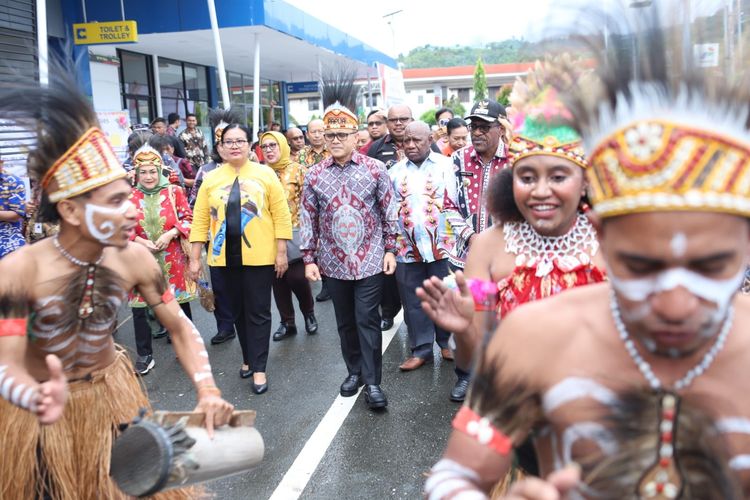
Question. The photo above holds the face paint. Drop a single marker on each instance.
(678, 245)
(106, 229)
(720, 292)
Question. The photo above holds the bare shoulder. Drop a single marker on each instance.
(21, 265)
(539, 332)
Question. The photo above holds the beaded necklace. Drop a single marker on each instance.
(86, 307)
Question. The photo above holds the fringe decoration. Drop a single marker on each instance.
(69, 460)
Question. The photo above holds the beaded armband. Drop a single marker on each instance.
(484, 293)
(13, 327)
(481, 429)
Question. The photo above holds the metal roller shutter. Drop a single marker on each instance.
(18, 62)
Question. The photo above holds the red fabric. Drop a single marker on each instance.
(15, 327)
(524, 286)
(470, 423)
(172, 260)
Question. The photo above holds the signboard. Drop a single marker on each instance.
(116, 124)
(301, 87)
(391, 85)
(706, 55)
(109, 32)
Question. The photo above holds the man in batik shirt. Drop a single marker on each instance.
(12, 212)
(421, 183)
(194, 141)
(348, 235)
(473, 166)
(316, 151)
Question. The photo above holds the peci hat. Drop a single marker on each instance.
(487, 110)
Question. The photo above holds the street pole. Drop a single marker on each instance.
(219, 55)
(41, 41)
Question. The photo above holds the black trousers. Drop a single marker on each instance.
(249, 295)
(222, 311)
(293, 281)
(142, 331)
(422, 331)
(390, 302)
(355, 303)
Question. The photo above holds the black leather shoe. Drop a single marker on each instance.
(323, 295)
(246, 373)
(458, 394)
(260, 388)
(386, 324)
(311, 324)
(222, 337)
(284, 331)
(374, 397)
(350, 386)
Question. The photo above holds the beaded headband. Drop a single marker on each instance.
(338, 117)
(656, 164)
(146, 155)
(88, 164)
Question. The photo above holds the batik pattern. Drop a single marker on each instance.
(12, 198)
(420, 192)
(348, 217)
(470, 214)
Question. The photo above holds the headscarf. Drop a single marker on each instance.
(285, 158)
(148, 156)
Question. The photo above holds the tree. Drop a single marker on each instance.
(503, 97)
(480, 82)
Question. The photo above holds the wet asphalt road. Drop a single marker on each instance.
(373, 455)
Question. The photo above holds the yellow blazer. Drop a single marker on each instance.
(265, 213)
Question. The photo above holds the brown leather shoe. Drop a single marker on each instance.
(412, 364)
(446, 353)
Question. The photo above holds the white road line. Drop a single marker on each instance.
(296, 478)
(130, 316)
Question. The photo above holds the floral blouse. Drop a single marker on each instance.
(157, 214)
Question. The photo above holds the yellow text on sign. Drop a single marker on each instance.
(109, 32)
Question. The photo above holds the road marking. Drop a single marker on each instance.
(296, 478)
(130, 316)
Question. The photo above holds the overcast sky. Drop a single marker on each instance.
(453, 22)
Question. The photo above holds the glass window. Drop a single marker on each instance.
(196, 82)
(135, 74)
(313, 104)
(463, 95)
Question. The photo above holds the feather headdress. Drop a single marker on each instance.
(542, 124)
(339, 96)
(219, 118)
(663, 134)
(72, 155)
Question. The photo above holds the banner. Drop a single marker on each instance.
(391, 85)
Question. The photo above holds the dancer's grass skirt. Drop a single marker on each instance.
(69, 460)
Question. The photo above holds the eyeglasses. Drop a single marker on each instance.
(297, 138)
(400, 119)
(341, 136)
(269, 146)
(374, 124)
(238, 143)
(482, 127)
(443, 122)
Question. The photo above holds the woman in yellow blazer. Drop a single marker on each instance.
(242, 212)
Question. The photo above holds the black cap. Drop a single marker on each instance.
(487, 110)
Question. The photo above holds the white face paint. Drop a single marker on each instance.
(719, 292)
(678, 244)
(106, 229)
